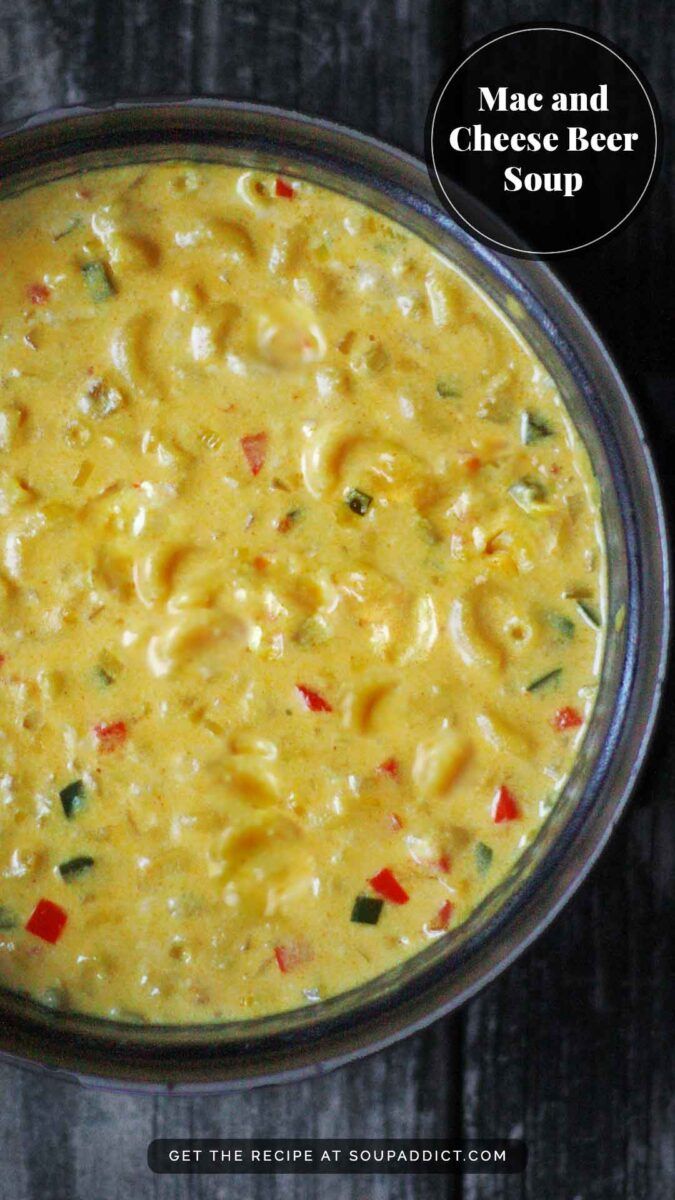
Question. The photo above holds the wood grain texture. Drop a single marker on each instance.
(64, 1142)
(574, 1045)
(572, 1048)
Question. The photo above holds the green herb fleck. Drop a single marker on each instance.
(73, 223)
(544, 682)
(108, 668)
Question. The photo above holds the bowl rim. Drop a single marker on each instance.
(97, 1058)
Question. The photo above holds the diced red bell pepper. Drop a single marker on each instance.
(254, 446)
(389, 767)
(47, 921)
(387, 885)
(284, 189)
(110, 736)
(38, 293)
(314, 701)
(395, 821)
(504, 806)
(443, 917)
(567, 718)
(292, 955)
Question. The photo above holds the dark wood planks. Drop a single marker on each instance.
(361, 65)
(572, 1048)
(574, 1044)
(62, 1142)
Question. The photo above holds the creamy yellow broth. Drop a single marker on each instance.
(301, 578)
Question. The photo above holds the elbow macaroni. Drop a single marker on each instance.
(301, 586)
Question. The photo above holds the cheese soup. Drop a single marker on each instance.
(302, 592)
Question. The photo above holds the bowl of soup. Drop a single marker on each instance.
(327, 656)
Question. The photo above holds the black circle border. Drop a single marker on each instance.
(528, 27)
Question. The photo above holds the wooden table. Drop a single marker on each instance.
(573, 1047)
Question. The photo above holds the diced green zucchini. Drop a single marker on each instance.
(8, 918)
(366, 910)
(550, 680)
(74, 867)
(589, 613)
(527, 493)
(563, 625)
(533, 428)
(447, 388)
(484, 855)
(102, 677)
(73, 796)
(98, 280)
(359, 502)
